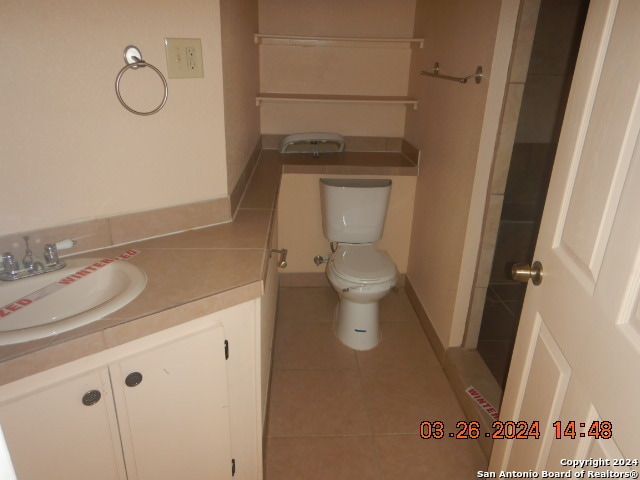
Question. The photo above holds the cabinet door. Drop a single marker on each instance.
(51, 433)
(174, 419)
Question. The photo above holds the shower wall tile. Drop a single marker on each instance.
(516, 212)
(507, 137)
(554, 43)
(524, 42)
(495, 342)
(499, 322)
(489, 238)
(512, 296)
(529, 177)
(541, 104)
(496, 355)
(516, 242)
(475, 317)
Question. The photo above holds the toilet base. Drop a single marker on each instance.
(357, 325)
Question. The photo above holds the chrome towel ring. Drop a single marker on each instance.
(133, 59)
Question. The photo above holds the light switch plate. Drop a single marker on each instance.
(184, 57)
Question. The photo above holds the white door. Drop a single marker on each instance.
(577, 355)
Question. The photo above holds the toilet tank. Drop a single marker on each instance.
(354, 209)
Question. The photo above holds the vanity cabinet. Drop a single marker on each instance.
(152, 409)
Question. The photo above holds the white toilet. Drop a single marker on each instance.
(353, 214)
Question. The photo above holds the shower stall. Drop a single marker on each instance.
(517, 200)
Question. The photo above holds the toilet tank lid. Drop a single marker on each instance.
(363, 264)
(356, 182)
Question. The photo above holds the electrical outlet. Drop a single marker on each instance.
(184, 57)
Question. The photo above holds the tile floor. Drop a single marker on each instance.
(335, 413)
(500, 319)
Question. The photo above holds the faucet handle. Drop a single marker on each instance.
(9, 263)
(50, 253)
(51, 250)
(64, 244)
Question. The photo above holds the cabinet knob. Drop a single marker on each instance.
(133, 379)
(91, 397)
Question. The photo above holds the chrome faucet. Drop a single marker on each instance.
(31, 264)
(28, 262)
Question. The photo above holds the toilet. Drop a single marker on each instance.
(353, 215)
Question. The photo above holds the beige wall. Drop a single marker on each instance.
(373, 18)
(460, 35)
(241, 83)
(341, 69)
(300, 221)
(69, 151)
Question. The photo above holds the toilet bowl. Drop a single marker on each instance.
(353, 213)
(361, 275)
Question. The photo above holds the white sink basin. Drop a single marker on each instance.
(86, 290)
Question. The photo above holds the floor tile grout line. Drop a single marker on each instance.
(369, 418)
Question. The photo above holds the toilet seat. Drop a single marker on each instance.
(362, 263)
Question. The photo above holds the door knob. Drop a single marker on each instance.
(523, 272)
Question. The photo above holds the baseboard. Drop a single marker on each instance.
(303, 279)
(436, 344)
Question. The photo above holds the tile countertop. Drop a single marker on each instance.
(194, 273)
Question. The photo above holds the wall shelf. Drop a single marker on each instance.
(298, 97)
(301, 40)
